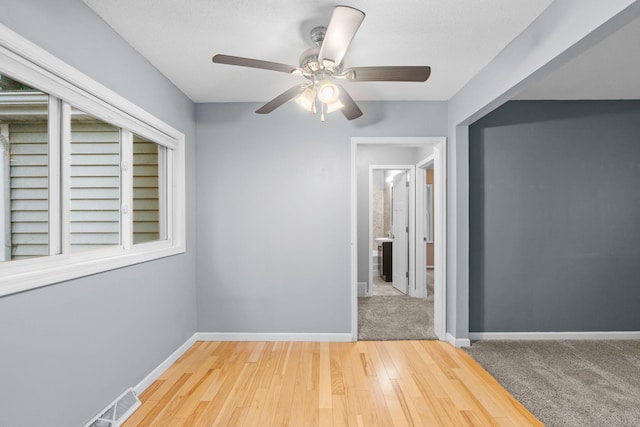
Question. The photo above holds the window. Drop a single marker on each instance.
(24, 168)
(148, 190)
(88, 181)
(94, 183)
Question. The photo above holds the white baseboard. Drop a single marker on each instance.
(458, 342)
(155, 374)
(523, 336)
(247, 336)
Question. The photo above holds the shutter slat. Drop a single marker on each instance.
(29, 216)
(29, 171)
(30, 238)
(95, 239)
(95, 227)
(30, 194)
(29, 160)
(98, 181)
(95, 216)
(94, 159)
(101, 148)
(95, 193)
(103, 170)
(18, 149)
(30, 227)
(30, 205)
(95, 205)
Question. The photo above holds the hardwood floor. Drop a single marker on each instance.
(368, 383)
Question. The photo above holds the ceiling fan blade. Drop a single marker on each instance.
(350, 109)
(254, 63)
(280, 99)
(388, 74)
(342, 27)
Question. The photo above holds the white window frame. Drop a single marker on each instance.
(35, 67)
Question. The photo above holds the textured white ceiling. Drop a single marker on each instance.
(456, 38)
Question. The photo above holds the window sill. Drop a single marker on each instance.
(30, 274)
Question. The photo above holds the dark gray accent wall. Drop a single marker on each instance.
(69, 349)
(555, 217)
(274, 212)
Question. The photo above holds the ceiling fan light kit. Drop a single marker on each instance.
(321, 65)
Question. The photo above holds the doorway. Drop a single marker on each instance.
(390, 229)
(436, 147)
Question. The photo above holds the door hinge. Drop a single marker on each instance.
(407, 228)
(406, 183)
(407, 274)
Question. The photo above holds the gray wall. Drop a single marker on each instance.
(273, 212)
(69, 349)
(554, 208)
(367, 155)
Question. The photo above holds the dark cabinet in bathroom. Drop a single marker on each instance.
(385, 261)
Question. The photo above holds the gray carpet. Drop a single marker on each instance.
(395, 318)
(568, 383)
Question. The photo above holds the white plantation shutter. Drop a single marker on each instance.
(146, 200)
(95, 185)
(29, 184)
(95, 188)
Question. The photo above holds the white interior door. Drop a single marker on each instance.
(400, 227)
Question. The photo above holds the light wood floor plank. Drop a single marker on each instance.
(394, 383)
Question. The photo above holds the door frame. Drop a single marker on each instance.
(421, 255)
(439, 160)
(439, 145)
(411, 169)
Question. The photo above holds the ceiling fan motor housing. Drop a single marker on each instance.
(317, 35)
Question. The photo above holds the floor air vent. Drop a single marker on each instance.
(117, 412)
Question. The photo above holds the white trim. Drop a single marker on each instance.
(421, 253)
(440, 235)
(28, 274)
(126, 188)
(64, 180)
(458, 342)
(354, 243)
(5, 194)
(55, 182)
(410, 141)
(535, 336)
(369, 288)
(273, 336)
(41, 68)
(164, 365)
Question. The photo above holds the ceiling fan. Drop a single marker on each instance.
(322, 66)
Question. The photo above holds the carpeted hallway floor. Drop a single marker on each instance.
(391, 315)
(568, 383)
